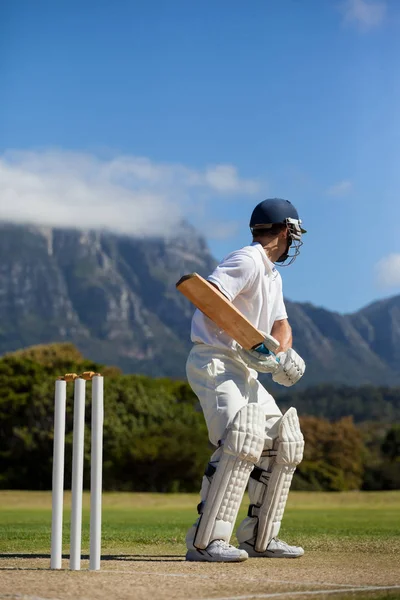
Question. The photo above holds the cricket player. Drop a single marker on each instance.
(255, 443)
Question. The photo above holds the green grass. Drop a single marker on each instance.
(354, 529)
(140, 523)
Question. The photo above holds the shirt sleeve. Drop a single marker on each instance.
(235, 273)
(280, 309)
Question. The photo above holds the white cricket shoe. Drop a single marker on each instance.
(217, 551)
(276, 549)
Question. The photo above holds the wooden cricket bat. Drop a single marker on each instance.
(220, 310)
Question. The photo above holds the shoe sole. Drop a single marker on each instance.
(253, 554)
(275, 556)
(198, 556)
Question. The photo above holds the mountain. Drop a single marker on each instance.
(354, 349)
(379, 326)
(114, 297)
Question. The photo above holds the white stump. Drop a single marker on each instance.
(77, 474)
(58, 475)
(96, 472)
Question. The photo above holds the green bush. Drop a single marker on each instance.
(155, 438)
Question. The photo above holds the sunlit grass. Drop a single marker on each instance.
(140, 523)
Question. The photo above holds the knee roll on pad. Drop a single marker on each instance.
(290, 446)
(242, 449)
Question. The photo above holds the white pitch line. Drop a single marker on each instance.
(229, 576)
(307, 593)
(188, 575)
(288, 581)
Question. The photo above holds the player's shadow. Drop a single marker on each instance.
(105, 557)
(144, 557)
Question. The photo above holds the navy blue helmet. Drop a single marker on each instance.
(279, 211)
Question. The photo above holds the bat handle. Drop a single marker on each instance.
(262, 349)
(269, 345)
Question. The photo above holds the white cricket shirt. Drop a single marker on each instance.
(252, 283)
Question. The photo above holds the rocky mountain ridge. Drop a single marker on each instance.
(114, 297)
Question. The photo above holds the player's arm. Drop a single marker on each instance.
(291, 366)
(282, 332)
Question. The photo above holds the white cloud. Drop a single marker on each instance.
(126, 194)
(365, 14)
(388, 271)
(224, 178)
(340, 189)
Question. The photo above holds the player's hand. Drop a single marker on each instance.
(260, 359)
(290, 369)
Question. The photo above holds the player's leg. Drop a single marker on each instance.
(222, 386)
(269, 487)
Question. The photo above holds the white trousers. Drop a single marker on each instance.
(223, 385)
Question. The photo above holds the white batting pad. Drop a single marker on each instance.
(290, 448)
(241, 451)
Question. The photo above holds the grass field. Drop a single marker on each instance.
(352, 540)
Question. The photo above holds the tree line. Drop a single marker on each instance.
(155, 438)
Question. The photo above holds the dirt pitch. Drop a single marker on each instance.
(143, 577)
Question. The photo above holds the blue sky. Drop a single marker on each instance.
(134, 114)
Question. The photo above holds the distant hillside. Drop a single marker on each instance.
(352, 349)
(114, 297)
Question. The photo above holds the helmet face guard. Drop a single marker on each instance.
(295, 242)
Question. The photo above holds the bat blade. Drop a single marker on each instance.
(220, 310)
